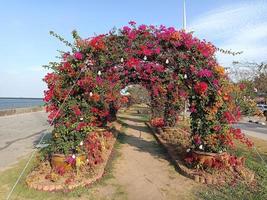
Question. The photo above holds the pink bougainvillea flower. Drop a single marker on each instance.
(217, 128)
(204, 73)
(132, 23)
(197, 139)
(216, 83)
(66, 56)
(71, 160)
(78, 55)
(192, 109)
(242, 86)
(157, 50)
(132, 35)
(126, 29)
(142, 27)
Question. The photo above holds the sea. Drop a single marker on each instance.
(10, 103)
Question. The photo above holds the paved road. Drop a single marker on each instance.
(18, 134)
(253, 129)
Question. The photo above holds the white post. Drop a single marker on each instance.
(184, 16)
(184, 27)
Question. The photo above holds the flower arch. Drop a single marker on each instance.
(172, 65)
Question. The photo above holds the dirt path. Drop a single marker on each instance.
(143, 171)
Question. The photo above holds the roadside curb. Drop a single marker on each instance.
(21, 110)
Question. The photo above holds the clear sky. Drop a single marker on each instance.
(25, 43)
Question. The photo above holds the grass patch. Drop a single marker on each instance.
(242, 190)
(105, 188)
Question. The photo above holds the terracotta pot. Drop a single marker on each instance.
(59, 160)
(206, 158)
(100, 129)
(169, 130)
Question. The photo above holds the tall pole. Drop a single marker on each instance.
(184, 27)
(184, 16)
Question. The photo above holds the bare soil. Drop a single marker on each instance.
(143, 171)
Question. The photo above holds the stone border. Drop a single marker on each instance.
(184, 170)
(59, 187)
(15, 111)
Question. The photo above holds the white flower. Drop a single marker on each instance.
(185, 76)
(188, 150)
(73, 156)
(220, 151)
(99, 73)
(81, 118)
(145, 58)
(200, 147)
(167, 61)
(87, 160)
(81, 143)
(91, 94)
(122, 60)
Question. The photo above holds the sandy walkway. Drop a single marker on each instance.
(143, 172)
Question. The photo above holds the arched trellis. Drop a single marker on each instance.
(173, 65)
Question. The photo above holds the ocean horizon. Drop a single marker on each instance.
(19, 102)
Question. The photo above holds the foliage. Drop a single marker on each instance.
(172, 65)
(138, 94)
(242, 94)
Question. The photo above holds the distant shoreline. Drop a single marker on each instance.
(21, 98)
(14, 111)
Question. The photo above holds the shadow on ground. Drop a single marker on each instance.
(139, 143)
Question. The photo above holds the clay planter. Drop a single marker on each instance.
(206, 158)
(59, 161)
(100, 130)
(169, 130)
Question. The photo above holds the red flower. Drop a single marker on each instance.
(132, 62)
(97, 43)
(124, 99)
(157, 122)
(48, 95)
(229, 117)
(95, 97)
(201, 87)
(76, 110)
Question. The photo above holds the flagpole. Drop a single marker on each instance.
(184, 16)
(184, 27)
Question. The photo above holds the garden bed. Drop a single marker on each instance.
(44, 179)
(176, 141)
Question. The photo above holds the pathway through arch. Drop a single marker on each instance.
(143, 171)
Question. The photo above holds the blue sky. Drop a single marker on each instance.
(25, 43)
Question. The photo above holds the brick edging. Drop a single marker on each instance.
(182, 169)
(52, 187)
